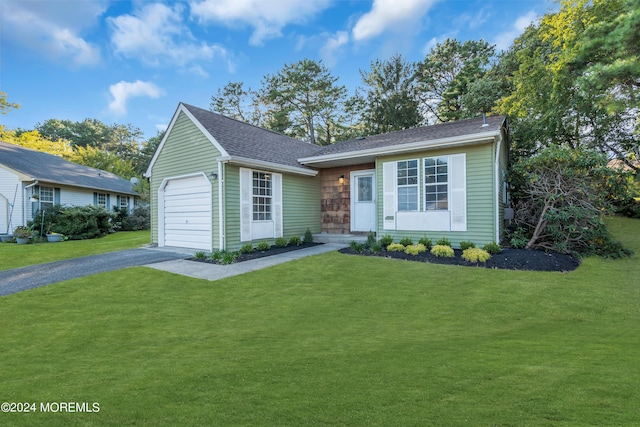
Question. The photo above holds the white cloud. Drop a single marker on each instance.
(332, 47)
(53, 29)
(396, 15)
(157, 35)
(267, 17)
(123, 91)
(504, 40)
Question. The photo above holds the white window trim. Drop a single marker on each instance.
(425, 184)
(416, 185)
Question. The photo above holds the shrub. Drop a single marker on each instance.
(519, 238)
(308, 237)
(466, 245)
(78, 222)
(357, 247)
(263, 246)
(295, 241)
(281, 242)
(406, 241)
(200, 255)
(138, 219)
(475, 255)
(375, 248)
(386, 240)
(216, 255)
(443, 242)
(247, 248)
(493, 248)
(415, 249)
(371, 240)
(443, 251)
(426, 242)
(228, 257)
(395, 247)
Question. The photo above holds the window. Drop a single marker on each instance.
(407, 174)
(262, 195)
(101, 200)
(436, 194)
(46, 197)
(124, 202)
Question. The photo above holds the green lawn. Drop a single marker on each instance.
(333, 340)
(14, 256)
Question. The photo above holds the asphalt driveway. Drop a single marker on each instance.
(21, 279)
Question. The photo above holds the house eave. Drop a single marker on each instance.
(260, 164)
(369, 155)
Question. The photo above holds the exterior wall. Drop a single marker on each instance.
(336, 198)
(480, 187)
(186, 151)
(300, 205)
(11, 192)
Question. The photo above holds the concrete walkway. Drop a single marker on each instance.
(167, 259)
(203, 270)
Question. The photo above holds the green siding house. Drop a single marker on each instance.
(217, 183)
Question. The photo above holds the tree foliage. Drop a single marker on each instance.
(306, 93)
(5, 105)
(390, 99)
(563, 194)
(446, 73)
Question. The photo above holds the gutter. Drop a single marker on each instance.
(260, 164)
(497, 189)
(221, 206)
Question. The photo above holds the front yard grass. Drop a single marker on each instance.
(332, 340)
(14, 256)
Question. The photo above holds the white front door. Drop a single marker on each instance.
(363, 200)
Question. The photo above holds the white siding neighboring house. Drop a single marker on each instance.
(31, 180)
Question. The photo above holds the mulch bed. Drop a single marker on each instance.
(274, 250)
(508, 259)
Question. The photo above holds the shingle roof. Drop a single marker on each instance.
(244, 140)
(49, 168)
(422, 134)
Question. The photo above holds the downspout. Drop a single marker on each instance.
(497, 192)
(24, 202)
(221, 199)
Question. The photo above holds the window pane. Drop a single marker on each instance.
(365, 190)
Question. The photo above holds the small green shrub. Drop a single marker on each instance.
(357, 247)
(216, 255)
(443, 242)
(371, 240)
(247, 248)
(519, 238)
(295, 241)
(281, 242)
(475, 255)
(200, 255)
(406, 241)
(395, 247)
(426, 242)
(386, 240)
(415, 249)
(493, 248)
(228, 257)
(443, 251)
(375, 248)
(263, 246)
(308, 237)
(466, 245)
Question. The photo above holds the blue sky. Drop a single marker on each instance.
(133, 61)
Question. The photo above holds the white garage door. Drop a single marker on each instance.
(187, 213)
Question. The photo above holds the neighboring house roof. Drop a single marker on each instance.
(365, 149)
(44, 167)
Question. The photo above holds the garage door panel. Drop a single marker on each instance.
(188, 213)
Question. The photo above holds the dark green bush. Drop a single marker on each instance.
(76, 222)
(406, 241)
(263, 246)
(295, 241)
(281, 242)
(493, 248)
(467, 245)
(357, 247)
(308, 237)
(247, 248)
(443, 242)
(386, 240)
(138, 219)
(426, 242)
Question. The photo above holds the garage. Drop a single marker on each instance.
(185, 210)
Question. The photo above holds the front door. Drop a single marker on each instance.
(363, 200)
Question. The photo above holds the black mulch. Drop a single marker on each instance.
(508, 259)
(274, 250)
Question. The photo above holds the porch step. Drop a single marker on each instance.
(339, 238)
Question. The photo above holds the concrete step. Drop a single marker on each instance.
(339, 238)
